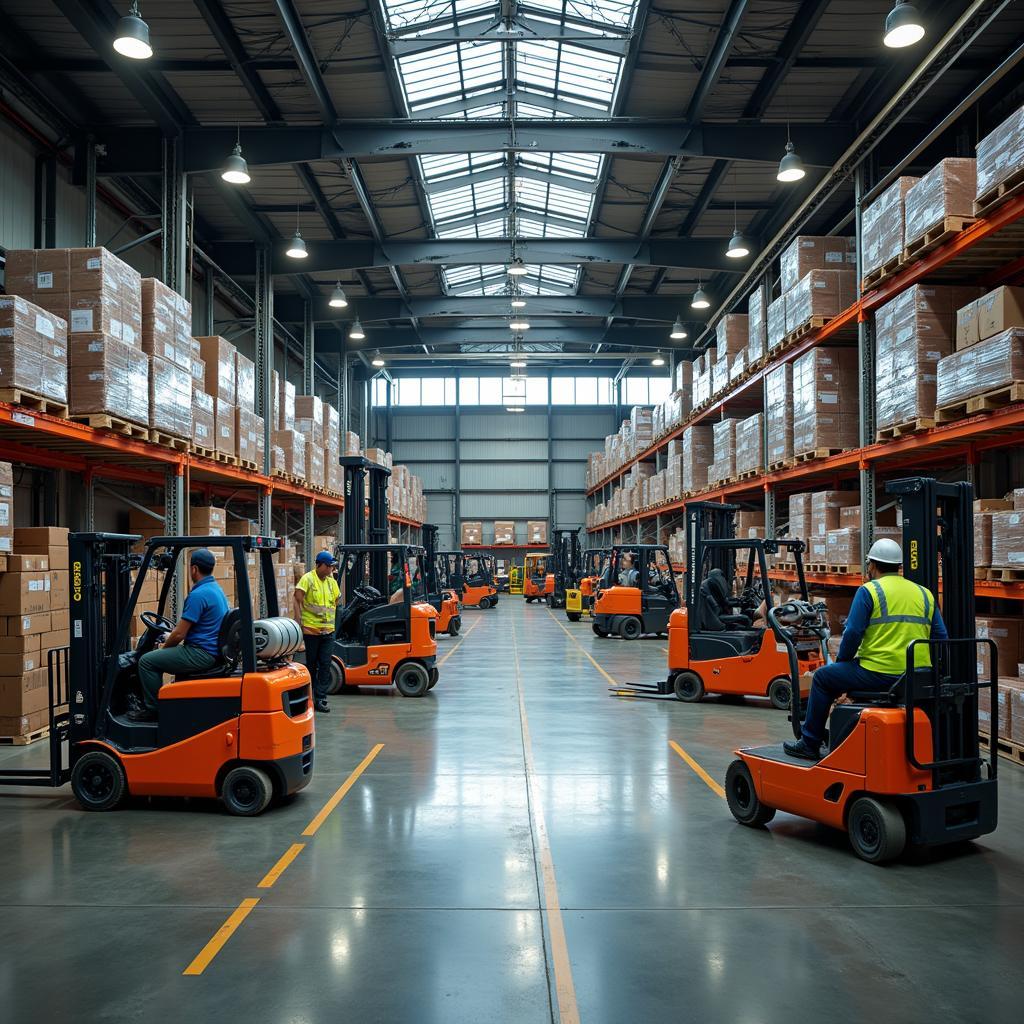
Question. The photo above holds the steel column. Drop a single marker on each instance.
(173, 216)
(90, 193)
(175, 525)
(865, 382)
(264, 332)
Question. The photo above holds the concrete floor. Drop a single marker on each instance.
(429, 893)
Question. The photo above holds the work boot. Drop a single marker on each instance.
(802, 749)
(322, 706)
(140, 714)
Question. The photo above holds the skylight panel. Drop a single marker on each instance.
(403, 14)
(610, 13)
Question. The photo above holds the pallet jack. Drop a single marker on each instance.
(241, 731)
(904, 765)
(537, 581)
(445, 601)
(639, 595)
(579, 598)
(714, 643)
(566, 561)
(385, 633)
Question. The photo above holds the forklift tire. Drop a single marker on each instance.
(435, 674)
(741, 796)
(412, 679)
(573, 616)
(631, 628)
(688, 687)
(98, 781)
(454, 625)
(877, 830)
(780, 693)
(598, 630)
(246, 791)
(529, 600)
(336, 684)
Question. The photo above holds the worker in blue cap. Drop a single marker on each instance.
(191, 646)
(316, 602)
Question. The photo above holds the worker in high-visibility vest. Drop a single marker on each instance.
(887, 613)
(316, 602)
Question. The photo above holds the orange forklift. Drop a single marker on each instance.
(903, 765)
(445, 601)
(714, 642)
(386, 631)
(469, 576)
(565, 566)
(538, 582)
(637, 594)
(242, 730)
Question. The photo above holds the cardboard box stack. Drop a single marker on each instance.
(815, 252)
(984, 508)
(724, 465)
(504, 531)
(750, 444)
(218, 355)
(947, 190)
(536, 531)
(987, 315)
(883, 226)
(800, 519)
(823, 510)
(819, 293)
(990, 364)
(776, 323)
(778, 408)
(1000, 154)
(471, 532)
(33, 349)
(757, 326)
(696, 454)
(6, 512)
(825, 400)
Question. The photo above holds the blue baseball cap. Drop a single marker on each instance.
(326, 558)
(204, 559)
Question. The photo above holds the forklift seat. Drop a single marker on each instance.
(229, 644)
(714, 604)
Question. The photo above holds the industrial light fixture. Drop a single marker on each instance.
(519, 324)
(739, 246)
(904, 26)
(338, 299)
(356, 333)
(236, 170)
(517, 268)
(297, 247)
(678, 331)
(658, 360)
(519, 303)
(514, 408)
(700, 299)
(791, 167)
(378, 359)
(131, 37)
(518, 363)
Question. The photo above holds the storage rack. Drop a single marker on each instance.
(985, 253)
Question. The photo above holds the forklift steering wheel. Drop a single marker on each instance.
(157, 622)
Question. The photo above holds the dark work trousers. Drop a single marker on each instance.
(828, 683)
(318, 661)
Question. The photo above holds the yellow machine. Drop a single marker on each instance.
(574, 607)
(515, 579)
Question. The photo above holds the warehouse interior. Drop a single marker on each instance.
(600, 422)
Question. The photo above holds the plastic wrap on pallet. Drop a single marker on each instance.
(683, 384)
(757, 326)
(778, 403)
(286, 406)
(776, 323)
(815, 252)
(294, 445)
(819, 293)
(33, 349)
(108, 377)
(720, 376)
(331, 426)
(724, 435)
(1008, 540)
(219, 355)
(224, 428)
(245, 382)
(737, 366)
(982, 539)
(698, 446)
(750, 444)
(842, 547)
(248, 438)
(204, 430)
(825, 400)
(170, 398)
(882, 225)
(947, 190)
(986, 366)
(1001, 153)
(166, 323)
(731, 335)
(314, 465)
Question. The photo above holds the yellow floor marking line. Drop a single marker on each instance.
(226, 930)
(339, 795)
(279, 868)
(585, 652)
(665, 649)
(459, 643)
(565, 989)
(712, 785)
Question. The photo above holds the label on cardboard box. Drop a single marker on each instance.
(44, 326)
(81, 320)
(93, 263)
(44, 279)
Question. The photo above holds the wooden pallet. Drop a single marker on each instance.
(882, 273)
(23, 741)
(247, 464)
(26, 399)
(207, 453)
(903, 429)
(1006, 575)
(749, 474)
(997, 398)
(981, 572)
(815, 323)
(844, 570)
(1000, 193)
(1005, 748)
(816, 453)
(774, 467)
(819, 568)
(935, 236)
(179, 444)
(112, 424)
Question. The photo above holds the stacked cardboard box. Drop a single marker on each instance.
(825, 403)
(824, 516)
(815, 252)
(947, 190)
(800, 517)
(108, 377)
(757, 326)
(170, 398)
(286, 407)
(819, 293)
(984, 508)
(697, 452)
(719, 374)
(1000, 154)
(33, 349)
(293, 449)
(504, 531)
(1007, 539)
(536, 531)
(778, 407)
(990, 364)
(882, 226)
(731, 335)
(987, 315)
(6, 512)
(471, 532)
(750, 444)
(166, 324)
(724, 465)
(218, 355)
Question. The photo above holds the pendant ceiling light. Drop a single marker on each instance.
(904, 26)
(791, 167)
(235, 170)
(131, 37)
(338, 299)
(700, 299)
(678, 331)
(356, 333)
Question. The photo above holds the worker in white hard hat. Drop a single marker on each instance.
(887, 613)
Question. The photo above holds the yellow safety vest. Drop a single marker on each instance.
(319, 603)
(901, 611)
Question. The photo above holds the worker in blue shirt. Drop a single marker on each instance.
(192, 645)
(887, 613)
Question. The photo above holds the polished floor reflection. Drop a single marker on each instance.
(423, 896)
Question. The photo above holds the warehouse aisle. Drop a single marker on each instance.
(516, 843)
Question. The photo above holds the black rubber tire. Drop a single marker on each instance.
(454, 625)
(529, 600)
(573, 616)
(98, 781)
(741, 796)
(780, 693)
(412, 679)
(246, 791)
(598, 630)
(549, 601)
(435, 674)
(877, 830)
(337, 682)
(631, 628)
(688, 687)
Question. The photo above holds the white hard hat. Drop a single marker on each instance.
(886, 551)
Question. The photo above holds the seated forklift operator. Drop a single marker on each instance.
(887, 613)
(192, 645)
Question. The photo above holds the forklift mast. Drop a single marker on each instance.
(366, 517)
(567, 557)
(430, 574)
(708, 520)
